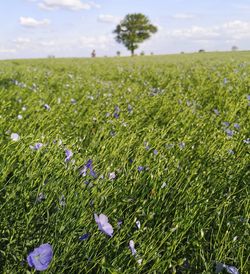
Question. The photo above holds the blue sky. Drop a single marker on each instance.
(72, 28)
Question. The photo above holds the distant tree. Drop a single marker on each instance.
(134, 29)
(234, 48)
(201, 50)
(118, 53)
(151, 53)
(142, 53)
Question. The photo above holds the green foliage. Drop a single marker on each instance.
(133, 30)
(192, 198)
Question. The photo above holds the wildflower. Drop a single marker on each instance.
(248, 97)
(155, 152)
(73, 101)
(225, 81)
(216, 111)
(112, 176)
(230, 269)
(88, 165)
(103, 224)
(140, 168)
(14, 137)
(119, 223)
(247, 141)
(226, 124)
(132, 247)
(19, 117)
(46, 106)
(138, 224)
(182, 145)
(84, 237)
(230, 151)
(130, 108)
(163, 185)
(41, 197)
(62, 201)
(237, 126)
(139, 261)
(37, 146)
(229, 132)
(69, 154)
(40, 257)
(116, 115)
(24, 108)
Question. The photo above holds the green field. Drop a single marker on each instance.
(174, 132)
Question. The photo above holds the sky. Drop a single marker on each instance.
(73, 28)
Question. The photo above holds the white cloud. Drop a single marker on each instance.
(183, 16)
(107, 18)
(33, 23)
(65, 4)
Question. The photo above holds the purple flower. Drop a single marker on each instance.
(216, 111)
(103, 224)
(130, 108)
(230, 151)
(84, 237)
(132, 247)
(155, 152)
(140, 168)
(229, 132)
(116, 115)
(46, 106)
(237, 126)
(230, 269)
(40, 257)
(69, 154)
(14, 137)
(37, 146)
(112, 176)
(226, 124)
(225, 81)
(248, 97)
(88, 165)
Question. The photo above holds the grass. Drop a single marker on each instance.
(191, 198)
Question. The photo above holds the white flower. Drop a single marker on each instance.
(132, 247)
(112, 176)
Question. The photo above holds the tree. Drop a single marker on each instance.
(134, 29)
(234, 48)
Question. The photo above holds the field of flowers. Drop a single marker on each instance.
(125, 165)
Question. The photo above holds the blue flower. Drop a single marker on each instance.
(155, 152)
(103, 224)
(40, 257)
(46, 106)
(140, 168)
(84, 237)
(69, 154)
(86, 167)
(37, 146)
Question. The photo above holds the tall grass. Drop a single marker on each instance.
(164, 114)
